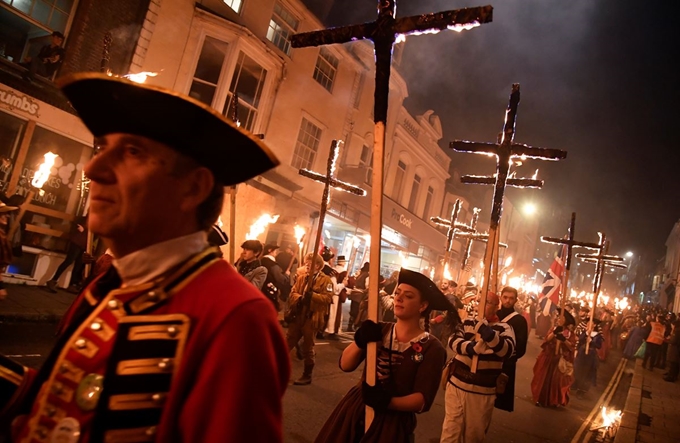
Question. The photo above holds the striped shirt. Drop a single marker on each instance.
(491, 356)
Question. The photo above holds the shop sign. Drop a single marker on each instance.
(401, 218)
(19, 101)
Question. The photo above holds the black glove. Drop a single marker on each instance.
(375, 397)
(560, 337)
(369, 331)
(558, 329)
(486, 332)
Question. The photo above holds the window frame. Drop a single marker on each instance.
(398, 185)
(415, 190)
(429, 199)
(230, 5)
(283, 24)
(329, 80)
(295, 155)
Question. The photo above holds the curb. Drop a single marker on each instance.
(627, 432)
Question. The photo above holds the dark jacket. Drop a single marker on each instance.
(506, 401)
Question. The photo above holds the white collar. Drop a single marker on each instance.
(271, 257)
(146, 264)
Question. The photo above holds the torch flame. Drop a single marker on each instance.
(611, 417)
(299, 233)
(457, 27)
(43, 172)
(508, 261)
(447, 273)
(535, 176)
(140, 77)
(257, 228)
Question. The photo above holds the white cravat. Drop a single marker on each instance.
(146, 264)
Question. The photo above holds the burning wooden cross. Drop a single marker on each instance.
(384, 33)
(328, 181)
(453, 227)
(569, 242)
(505, 150)
(601, 260)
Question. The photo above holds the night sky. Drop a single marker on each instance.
(596, 80)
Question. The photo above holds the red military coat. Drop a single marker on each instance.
(196, 356)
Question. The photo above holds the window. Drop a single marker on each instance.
(234, 4)
(208, 70)
(247, 83)
(11, 131)
(398, 181)
(281, 26)
(307, 145)
(428, 202)
(26, 25)
(326, 67)
(51, 13)
(366, 161)
(415, 188)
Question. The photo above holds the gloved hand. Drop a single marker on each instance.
(369, 331)
(486, 332)
(375, 397)
(560, 337)
(558, 329)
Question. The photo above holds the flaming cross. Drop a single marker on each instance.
(569, 242)
(328, 181)
(504, 151)
(453, 227)
(601, 259)
(383, 32)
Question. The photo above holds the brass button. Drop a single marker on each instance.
(157, 397)
(152, 296)
(50, 411)
(81, 343)
(172, 331)
(63, 368)
(57, 388)
(113, 304)
(96, 326)
(151, 431)
(164, 364)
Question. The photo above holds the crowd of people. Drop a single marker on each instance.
(170, 342)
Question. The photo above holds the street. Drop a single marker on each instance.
(306, 408)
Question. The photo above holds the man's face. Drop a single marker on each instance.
(248, 255)
(444, 286)
(136, 197)
(508, 299)
(56, 40)
(274, 253)
(308, 267)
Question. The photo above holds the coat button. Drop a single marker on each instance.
(96, 326)
(172, 331)
(81, 343)
(164, 364)
(152, 296)
(113, 304)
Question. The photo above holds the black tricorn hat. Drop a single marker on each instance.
(217, 237)
(109, 105)
(428, 290)
(568, 318)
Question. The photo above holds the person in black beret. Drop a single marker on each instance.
(410, 362)
(156, 187)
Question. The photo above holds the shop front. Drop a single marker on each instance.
(29, 129)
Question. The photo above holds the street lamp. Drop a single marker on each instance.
(530, 209)
(629, 254)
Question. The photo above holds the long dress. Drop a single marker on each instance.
(585, 365)
(635, 338)
(404, 368)
(550, 386)
(606, 340)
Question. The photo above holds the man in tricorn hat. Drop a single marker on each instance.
(159, 348)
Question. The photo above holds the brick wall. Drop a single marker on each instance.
(93, 18)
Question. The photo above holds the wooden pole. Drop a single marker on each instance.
(22, 211)
(232, 224)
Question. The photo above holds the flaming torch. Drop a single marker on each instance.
(39, 179)
(257, 228)
(608, 425)
(140, 77)
(299, 239)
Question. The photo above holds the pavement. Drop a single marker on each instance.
(651, 412)
(25, 303)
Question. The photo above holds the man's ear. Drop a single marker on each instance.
(199, 184)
